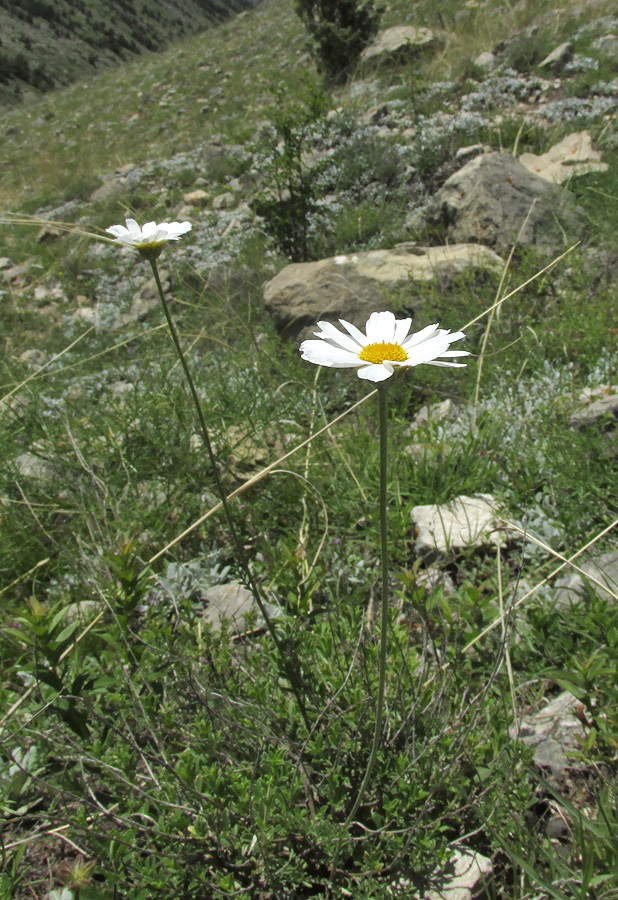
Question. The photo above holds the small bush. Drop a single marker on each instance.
(339, 31)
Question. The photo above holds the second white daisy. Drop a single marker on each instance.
(387, 344)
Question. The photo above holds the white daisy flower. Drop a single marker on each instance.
(150, 239)
(385, 345)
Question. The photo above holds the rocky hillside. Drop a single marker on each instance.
(46, 43)
(466, 174)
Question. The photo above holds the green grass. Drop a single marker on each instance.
(174, 758)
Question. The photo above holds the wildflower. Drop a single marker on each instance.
(385, 345)
(150, 239)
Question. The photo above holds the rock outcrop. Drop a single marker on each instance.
(358, 284)
(495, 200)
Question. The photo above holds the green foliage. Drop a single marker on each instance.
(339, 30)
(288, 198)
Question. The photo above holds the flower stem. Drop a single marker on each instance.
(379, 707)
(288, 666)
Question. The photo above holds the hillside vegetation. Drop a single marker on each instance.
(189, 693)
(48, 43)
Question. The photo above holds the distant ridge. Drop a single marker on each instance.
(48, 43)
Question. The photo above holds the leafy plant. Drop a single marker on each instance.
(339, 31)
(288, 198)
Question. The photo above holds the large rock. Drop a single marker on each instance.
(490, 198)
(573, 155)
(466, 522)
(398, 42)
(356, 285)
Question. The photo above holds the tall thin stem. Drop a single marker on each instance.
(288, 666)
(379, 708)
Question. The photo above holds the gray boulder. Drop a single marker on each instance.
(354, 286)
(490, 198)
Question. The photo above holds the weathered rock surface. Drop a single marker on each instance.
(233, 602)
(597, 404)
(490, 198)
(572, 156)
(466, 522)
(461, 878)
(356, 285)
(571, 588)
(553, 731)
(398, 42)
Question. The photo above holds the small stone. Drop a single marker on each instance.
(485, 60)
(463, 523)
(554, 731)
(224, 201)
(232, 601)
(571, 588)
(30, 466)
(558, 58)
(5, 262)
(198, 197)
(598, 404)
(399, 41)
(33, 358)
(431, 413)
(461, 878)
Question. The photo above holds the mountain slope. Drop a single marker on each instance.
(45, 43)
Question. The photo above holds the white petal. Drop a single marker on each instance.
(332, 334)
(434, 362)
(380, 327)
(455, 353)
(375, 372)
(323, 354)
(178, 228)
(134, 230)
(149, 229)
(119, 232)
(355, 332)
(402, 327)
(420, 336)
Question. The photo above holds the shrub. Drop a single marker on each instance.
(339, 31)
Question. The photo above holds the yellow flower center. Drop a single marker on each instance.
(377, 353)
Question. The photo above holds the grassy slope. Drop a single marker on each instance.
(125, 462)
(47, 43)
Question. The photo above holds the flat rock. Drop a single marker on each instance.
(398, 42)
(553, 731)
(490, 198)
(572, 156)
(597, 404)
(571, 588)
(465, 522)
(358, 284)
(233, 602)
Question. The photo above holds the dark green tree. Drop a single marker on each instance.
(339, 30)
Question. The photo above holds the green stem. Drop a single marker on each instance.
(288, 666)
(379, 709)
